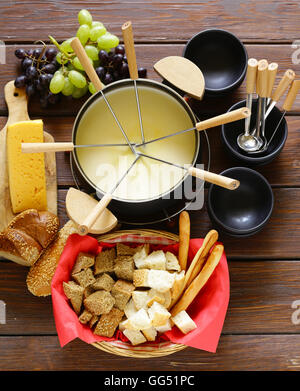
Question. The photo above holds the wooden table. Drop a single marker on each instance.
(258, 333)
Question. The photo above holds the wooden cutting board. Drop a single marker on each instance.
(16, 100)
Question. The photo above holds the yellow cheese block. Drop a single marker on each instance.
(26, 171)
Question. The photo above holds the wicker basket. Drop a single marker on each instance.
(125, 349)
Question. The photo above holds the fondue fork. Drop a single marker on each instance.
(96, 212)
(133, 71)
(62, 147)
(207, 176)
(231, 116)
(90, 71)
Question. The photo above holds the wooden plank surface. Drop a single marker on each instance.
(283, 171)
(270, 20)
(147, 55)
(235, 352)
(262, 293)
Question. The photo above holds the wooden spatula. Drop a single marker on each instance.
(183, 74)
(80, 204)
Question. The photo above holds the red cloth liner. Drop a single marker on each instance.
(208, 309)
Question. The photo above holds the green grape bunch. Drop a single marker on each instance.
(67, 76)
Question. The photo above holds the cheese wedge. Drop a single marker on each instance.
(26, 171)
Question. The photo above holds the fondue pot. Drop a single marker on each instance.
(133, 208)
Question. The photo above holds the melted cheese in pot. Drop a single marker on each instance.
(162, 114)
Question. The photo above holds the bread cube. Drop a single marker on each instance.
(139, 321)
(122, 291)
(140, 278)
(184, 322)
(124, 268)
(104, 262)
(154, 295)
(176, 290)
(74, 293)
(83, 261)
(165, 327)
(108, 323)
(88, 291)
(122, 249)
(99, 302)
(94, 319)
(134, 336)
(160, 280)
(103, 282)
(85, 317)
(130, 309)
(84, 278)
(150, 334)
(156, 260)
(122, 325)
(140, 257)
(168, 299)
(140, 299)
(158, 314)
(172, 262)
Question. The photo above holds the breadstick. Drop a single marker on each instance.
(198, 283)
(199, 259)
(184, 239)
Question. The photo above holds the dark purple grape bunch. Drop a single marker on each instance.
(38, 66)
(113, 66)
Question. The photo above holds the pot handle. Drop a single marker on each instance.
(85, 62)
(46, 147)
(130, 51)
(219, 180)
(222, 119)
(96, 212)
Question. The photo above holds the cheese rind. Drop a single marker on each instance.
(26, 171)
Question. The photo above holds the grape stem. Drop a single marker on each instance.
(54, 41)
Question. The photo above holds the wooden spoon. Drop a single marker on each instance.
(183, 74)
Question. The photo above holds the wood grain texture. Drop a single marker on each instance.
(174, 21)
(147, 56)
(235, 352)
(283, 171)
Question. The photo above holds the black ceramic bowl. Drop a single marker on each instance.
(231, 131)
(222, 58)
(244, 211)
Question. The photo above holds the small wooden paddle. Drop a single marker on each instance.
(183, 74)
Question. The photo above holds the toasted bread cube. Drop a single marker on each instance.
(122, 249)
(84, 278)
(108, 323)
(168, 299)
(83, 261)
(139, 321)
(134, 336)
(88, 291)
(93, 320)
(85, 317)
(99, 302)
(160, 280)
(166, 327)
(154, 295)
(124, 268)
(150, 334)
(74, 293)
(156, 260)
(140, 299)
(122, 291)
(140, 257)
(130, 309)
(184, 322)
(103, 282)
(158, 314)
(140, 278)
(104, 262)
(172, 262)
